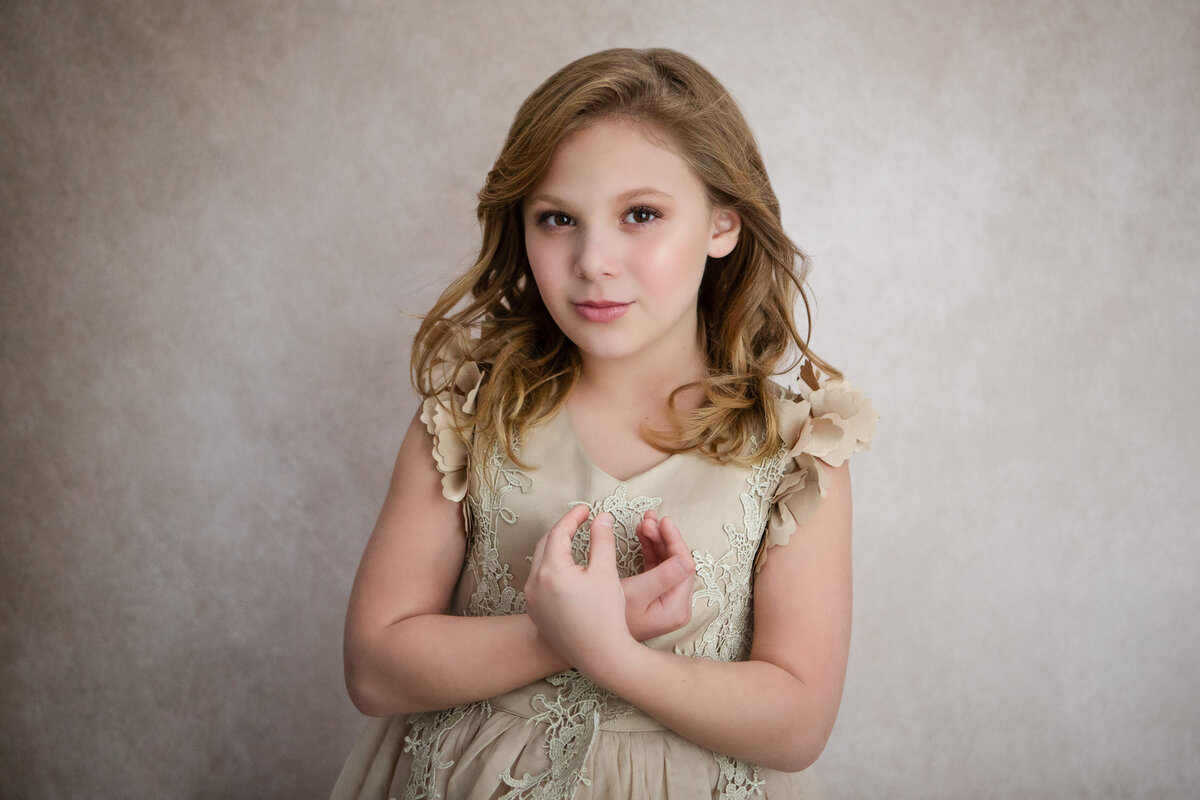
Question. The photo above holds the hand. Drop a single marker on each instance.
(659, 599)
(579, 610)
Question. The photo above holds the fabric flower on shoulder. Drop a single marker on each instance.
(444, 412)
(820, 428)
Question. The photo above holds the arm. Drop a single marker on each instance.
(404, 651)
(777, 708)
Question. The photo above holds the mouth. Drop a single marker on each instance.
(601, 310)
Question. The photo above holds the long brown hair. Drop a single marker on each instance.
(747, 299)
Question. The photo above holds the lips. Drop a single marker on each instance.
(601, 310)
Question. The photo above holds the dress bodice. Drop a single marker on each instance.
(563, 736)
(721, 510)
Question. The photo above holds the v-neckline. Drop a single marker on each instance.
(569, 424)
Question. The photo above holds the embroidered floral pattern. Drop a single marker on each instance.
(627, 512)
(725, 583)
(821, 427)
(494, 593)
(572, 718)
(739, 779)
(424, 741)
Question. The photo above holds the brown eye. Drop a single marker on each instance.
(555, 219)
(641, 215)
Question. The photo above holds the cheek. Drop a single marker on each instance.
(550, 286)
(679, 262)
(539, 262)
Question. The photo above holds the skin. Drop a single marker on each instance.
(617, 217)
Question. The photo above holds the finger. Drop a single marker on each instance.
(656, 582)
(650, 538)
(680, 596)
(555, 546)
(649, 524)
(538, 550)
(603, 553)
(672, 541)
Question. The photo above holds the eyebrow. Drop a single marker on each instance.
(625, 197)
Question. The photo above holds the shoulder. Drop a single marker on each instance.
(819, 430)
(831, 422)
(449, 413)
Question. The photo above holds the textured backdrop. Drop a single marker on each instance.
(217, 220)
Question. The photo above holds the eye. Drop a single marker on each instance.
(555, 219)
(640, 215)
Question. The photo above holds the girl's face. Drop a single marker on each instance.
(618, 232)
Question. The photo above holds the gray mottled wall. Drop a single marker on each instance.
(216, 219)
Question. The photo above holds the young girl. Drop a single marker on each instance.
(556, 600)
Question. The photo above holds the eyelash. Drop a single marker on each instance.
(646, 210)
(544, 219)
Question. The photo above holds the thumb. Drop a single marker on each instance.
(603, 551)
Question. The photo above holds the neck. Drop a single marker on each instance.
(648, 377)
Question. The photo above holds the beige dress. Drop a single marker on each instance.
(564, 737)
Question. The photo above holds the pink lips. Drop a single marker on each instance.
(601, 310)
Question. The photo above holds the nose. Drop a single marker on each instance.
(595, 256)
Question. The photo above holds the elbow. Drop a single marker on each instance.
(363, 690)
(795, 759)
(362, 695)
(803, 745)
(804, 727)
(370, 689)
(373, 698)
(801, 757)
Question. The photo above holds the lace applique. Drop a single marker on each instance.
(494, 594)
(572, 719)
(573, 715)
(726, 582)
(626, 511)
(739, 779)
(424, 740)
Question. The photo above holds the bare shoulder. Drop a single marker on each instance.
(820, 543)
(802, 595)
(412, 560)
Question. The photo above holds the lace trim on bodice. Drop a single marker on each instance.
(627, 512)
(819, 428)
(727, 584)
(494, 593)
(573, 714)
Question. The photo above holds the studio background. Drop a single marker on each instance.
(218, 220)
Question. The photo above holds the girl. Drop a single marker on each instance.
(556, 600)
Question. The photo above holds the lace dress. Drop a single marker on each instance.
(564, 737)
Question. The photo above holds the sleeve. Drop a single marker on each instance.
(448, 415)
(820, 429)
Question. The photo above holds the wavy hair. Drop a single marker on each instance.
(494, 314)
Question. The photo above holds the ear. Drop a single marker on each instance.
(726, 226)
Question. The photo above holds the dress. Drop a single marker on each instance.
(564, 737)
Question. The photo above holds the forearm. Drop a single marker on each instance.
(433, 661)
(752, 710)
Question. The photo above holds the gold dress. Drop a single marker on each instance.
(564, 737)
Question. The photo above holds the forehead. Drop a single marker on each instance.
(614, 154)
